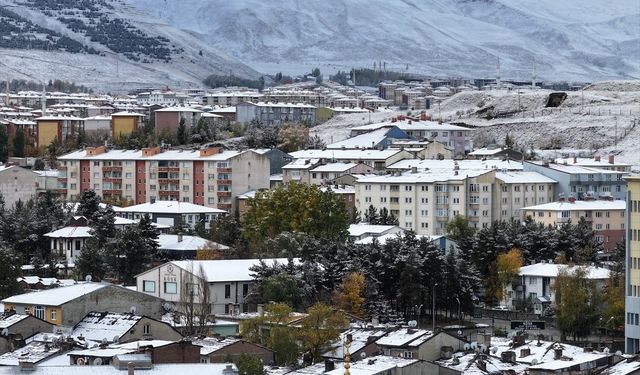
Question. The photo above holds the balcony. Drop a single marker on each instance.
(168, 169)
(224, 170)
(168, 181)
(224, 206)
(112, 192)
(224, 193)
(112, 169)
(167, 193)
(117, 180)
(223, 182)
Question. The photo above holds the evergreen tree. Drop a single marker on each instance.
(88, 204)
(183, 136)
(4, 144)
(371, 215)
(19, 143)
(10, 264)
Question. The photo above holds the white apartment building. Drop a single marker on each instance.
(426, 201)
(515, 190)
(210, 176)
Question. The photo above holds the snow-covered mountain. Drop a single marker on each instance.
(583, 40)
(105, 44)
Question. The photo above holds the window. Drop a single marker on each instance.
(146, 329)
(38, 312)
(149, 286)
(227, 291)
(54, 315)
(245, 289)
(408, 212)
(407, 354)
(424, 188)
(408, 188)
(474, 188)
(170, 287)
(533, 280)
(408, 200)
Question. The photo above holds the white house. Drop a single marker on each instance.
(171, 212)
(229, 281)
(364, 230)
(536, 281)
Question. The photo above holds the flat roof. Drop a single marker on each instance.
(171, 207)
(138, 155)
(579, 205)
(56, 296)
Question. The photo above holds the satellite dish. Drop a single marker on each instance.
(80, 361)
(467, 346)
(459, 332)
(618, 353)
(105, 341)
(363, 355)
(483, 348)
(474, 345)
(132, 309)
(412, 324)
(534, 362)
(168, 306)
(5, 332)
(45, 337)
(494, 350)
(87, 278)
(97, 361)
(116, 338)
(606, 350)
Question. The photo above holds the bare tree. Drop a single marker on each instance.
(195, 302)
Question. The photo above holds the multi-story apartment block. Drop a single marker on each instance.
(210, 176)
(319, 172)
(515, 190)
(378, 159)
(457, 138)
(582, 182)
(58, 128)
(426, 201)
(632, 267)
(607, 218)
(609, 163)
(275, 113)
(232, 98)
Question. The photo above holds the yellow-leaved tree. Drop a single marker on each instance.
(508, 266)
(349, 295)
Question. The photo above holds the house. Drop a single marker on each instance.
(275, 114)
(363, 344)
(378, 159)
(139, 365)
(378, 365)
(218, 350)
(17, 327)
(68, 305)
(209, 176)
(582, 182)
(376, 139)
(111, 327)
(606, 218)
(98, 125)
(417, 343)
(39, 348)
(17, 184)
(319, 171)
(536, 281)
(229, 281)
(156, 351)
(172, 213)
(496, 152)
(363, 230)
(632, 259)
(178, 246)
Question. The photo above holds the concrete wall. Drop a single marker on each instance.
(17, 183)
(179, 352)
(157, 331)
(236, 349)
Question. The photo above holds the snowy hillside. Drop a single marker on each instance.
(601, 120)
(104, 44)
(584, 40)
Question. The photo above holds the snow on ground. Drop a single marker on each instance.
(338, 128)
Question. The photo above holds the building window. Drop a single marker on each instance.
(54, 315)
(227, 291)
(245, 289)
(170, 287)
(146, 329)
(407, 354)
(149, 286)
(38, 312)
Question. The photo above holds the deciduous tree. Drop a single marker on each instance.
(508, 267)
(350, 294)
(319, 328)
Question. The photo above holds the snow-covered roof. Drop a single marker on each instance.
(449, 164)
(603, 162)
(170, 207)
(423, 177)
(413, 126)
(334, 167)
(359, 339)
(375, 365)
(359, 229)
(211, 344)
(487, 151)
(563, 363)
(247, 194)
(55, 296)
(97, 326)
(187, 243)
(627, 367)
(211, 115)
(231, 109)
(227, 269)
(279, 105)
(38, 348)
(70, 232)
(8, 321)
(552, 270)
(174, 155)
(179, 109)
(345, 154)
(127, 114)
(366, 140)
(519, 177)
(403, 337)
(579, 205)
(576, 169)
(159, 369)
(302, 164)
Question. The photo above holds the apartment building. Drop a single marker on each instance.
(58, 128)
(209, 176)
(319, 172)
(632, 278)
(275, 114)
(582, 182)
(426, 201)
(232, 97)
(378, 159)
(607, 218)
(515, 190)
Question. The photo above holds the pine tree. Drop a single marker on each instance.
(10, 264)
(88, 204)
(19, 143)
(4, 144)
(371, 215)
(182, 132)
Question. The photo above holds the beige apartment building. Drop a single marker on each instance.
(607, 217)
(209, 176)
(632, 277)
(515, 190)
(426, 201)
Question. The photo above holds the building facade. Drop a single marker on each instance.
(18, 184)
(275, 114)
(632, 278)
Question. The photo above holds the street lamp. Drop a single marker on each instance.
(459, 314)
(433, 308)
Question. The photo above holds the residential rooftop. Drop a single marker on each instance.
(580, 205)
(553, 270)
(55, 296)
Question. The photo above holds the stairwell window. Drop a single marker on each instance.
(38, 312)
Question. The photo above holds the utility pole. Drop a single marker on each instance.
(433, 308)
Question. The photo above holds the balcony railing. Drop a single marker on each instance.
(224, 170)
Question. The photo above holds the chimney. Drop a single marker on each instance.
(423, 116)
(93, 151)
(414, 169)
(572, 199)
(153, 200)
(260, 309)
(482, 365)
(26, 366)
(180, 237)
(525, 352)
(597, 158)
(150, 151)
(557, 353)
(130, 368)
(611, 159)
(210, 151)
(329, 365)
(508, 356)
(575, 160)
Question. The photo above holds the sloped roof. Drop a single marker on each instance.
(227, 269)
(97, 326)
(55, 296)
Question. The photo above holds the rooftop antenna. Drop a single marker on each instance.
(498, 82)
(533, 74)
(6, 97)
(44, 99)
